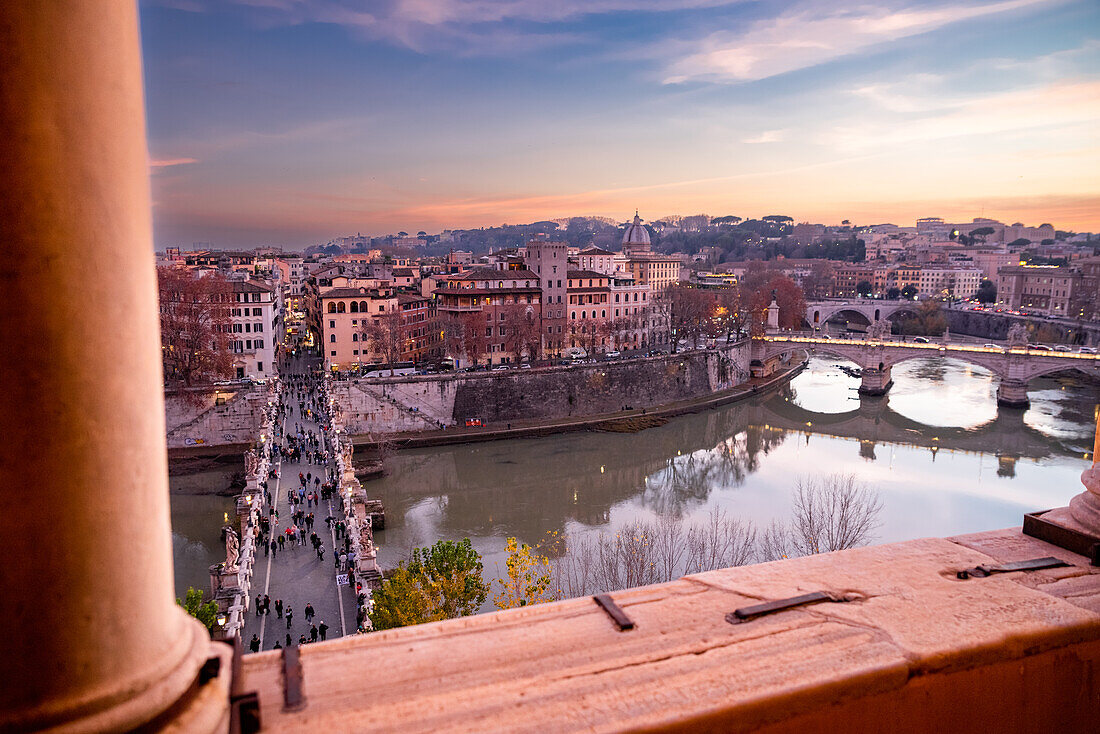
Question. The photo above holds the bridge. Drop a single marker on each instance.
(1015, 366)
(818, 312)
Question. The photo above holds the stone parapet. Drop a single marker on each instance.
(912, 648)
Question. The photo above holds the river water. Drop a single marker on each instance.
(942, 457)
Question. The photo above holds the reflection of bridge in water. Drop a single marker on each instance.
(875, 422)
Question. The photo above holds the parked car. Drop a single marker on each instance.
(990, 346)
(501, 368)
(1087, 350)
(1039, 348)
(613, 354)
(1061, 348)
(920, 340)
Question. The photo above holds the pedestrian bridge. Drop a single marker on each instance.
(1016, 366)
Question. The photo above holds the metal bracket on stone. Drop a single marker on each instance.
(294, 698)
(1032, 565)
(244, 706)
(747, 614)
(618, 616)
(1072, 540)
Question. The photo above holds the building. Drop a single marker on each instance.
(346, 312)
(549, 262)
(589, 295)
(597, 259)
(492, 316)
(255, 325)
(949, 282)
(1048, 289)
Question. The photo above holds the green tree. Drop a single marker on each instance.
(893, 294)
(909, 292)
(527, 580)
(980, 232)
(440, 582)
(192, 603)
(987, 292)
(864, 288)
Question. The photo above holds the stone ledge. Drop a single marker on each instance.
(911, 637)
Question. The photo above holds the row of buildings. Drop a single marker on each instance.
(544, 300)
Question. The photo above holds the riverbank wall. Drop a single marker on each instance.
(437, 402)
(992, 325)
(199, 419)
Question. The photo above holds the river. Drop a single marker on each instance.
(942, 457)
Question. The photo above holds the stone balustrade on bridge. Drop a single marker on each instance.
(1014, 366)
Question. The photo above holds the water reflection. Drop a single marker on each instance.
(945, 459)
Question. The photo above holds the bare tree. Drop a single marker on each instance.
(720, 541)
(195, 323)
(834, 513)
(385, 333)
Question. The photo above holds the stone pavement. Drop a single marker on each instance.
(294, 574)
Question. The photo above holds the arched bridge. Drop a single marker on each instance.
(819, 312)
(1016, 366)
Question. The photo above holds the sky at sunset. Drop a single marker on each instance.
(289, 122)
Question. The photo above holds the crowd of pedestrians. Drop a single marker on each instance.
(301, 421)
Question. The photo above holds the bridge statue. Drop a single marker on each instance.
(1017, 336)
(251, 463)
(232, 548)
(879, 330)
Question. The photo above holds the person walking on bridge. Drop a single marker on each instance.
(309, 612)
(289, 617)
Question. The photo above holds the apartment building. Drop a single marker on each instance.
(492, 316)
(255, 323)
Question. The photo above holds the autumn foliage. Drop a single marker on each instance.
(194, 326)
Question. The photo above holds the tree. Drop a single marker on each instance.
(204, 612)
(864, 289)
(528, 578)
(830, 514)
(987, 292)
(909, 292)
(440, 582)
(688, 311)
(385, 333)
(893, 293)
(980, 233)
(521, 332)
(789, 298)
(475, 341)
(195, 324)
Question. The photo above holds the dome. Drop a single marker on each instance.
(636, 233)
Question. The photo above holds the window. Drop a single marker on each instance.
(502, 317)
(355, 337)
(333, 353)
(259, 366)
(248, 344)
(258, 327)
(332, 338)
(259, 343)
(340, 307)
(354, 307)
(488, 331)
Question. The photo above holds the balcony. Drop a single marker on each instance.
(910, 647)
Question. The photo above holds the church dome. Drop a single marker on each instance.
(636, 233)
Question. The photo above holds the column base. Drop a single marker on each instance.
(874, 391)
(1017, 403)
(192, 695)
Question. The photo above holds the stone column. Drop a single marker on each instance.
(876, 381)
(94, 639)
(1012, 394)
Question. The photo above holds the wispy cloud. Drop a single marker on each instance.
(168, 162)
(809, 36)
(483, 27)
(768, 136)
(1055, 105)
